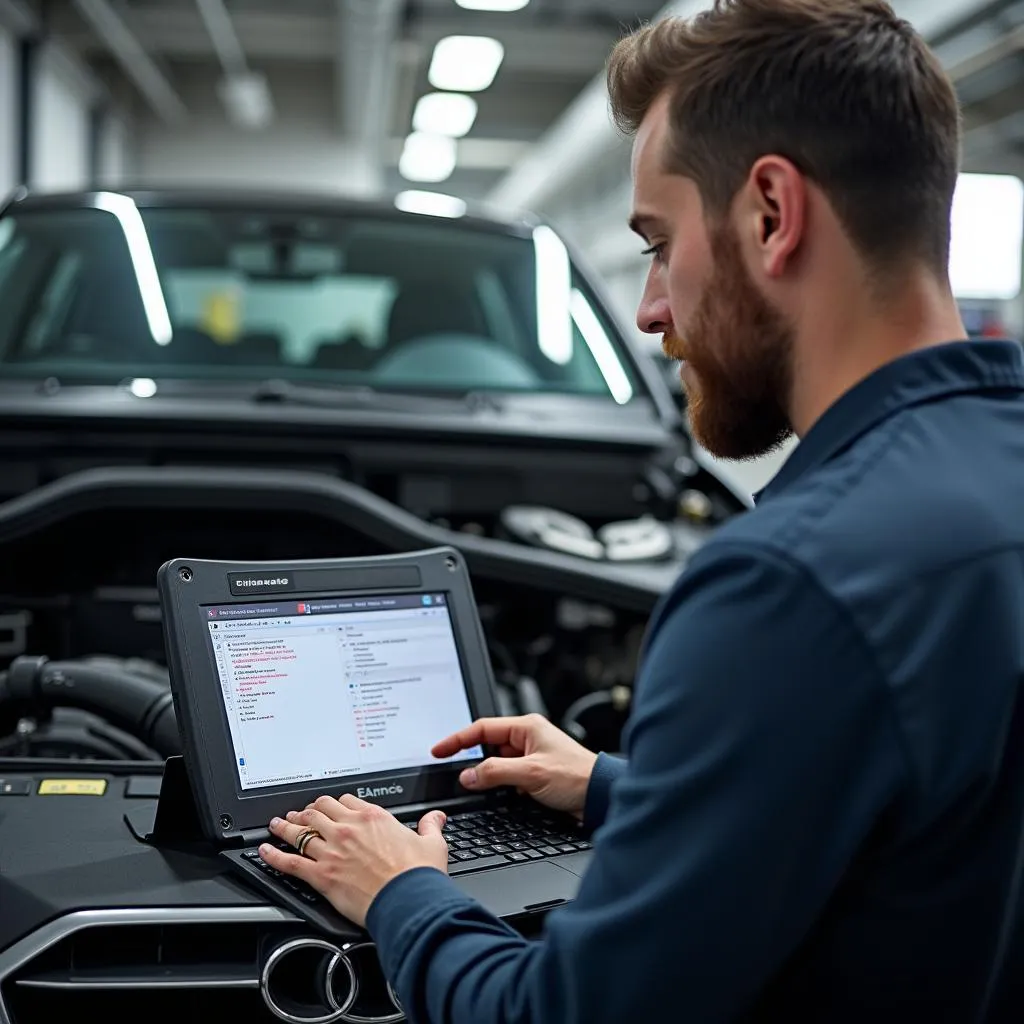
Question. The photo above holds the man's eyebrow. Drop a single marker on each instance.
(641, 224)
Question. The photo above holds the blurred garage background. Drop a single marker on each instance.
(435, 104)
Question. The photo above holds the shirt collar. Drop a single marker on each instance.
(949, 369)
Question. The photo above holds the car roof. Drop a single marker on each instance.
(477, 216)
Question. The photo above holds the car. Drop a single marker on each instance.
(273, 377)
(258, 376)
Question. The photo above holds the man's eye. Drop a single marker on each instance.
(657, 251)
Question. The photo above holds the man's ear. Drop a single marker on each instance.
(773, 212)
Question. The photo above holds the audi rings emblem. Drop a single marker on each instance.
(314, 981)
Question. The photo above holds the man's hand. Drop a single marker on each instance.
(363, 847)
(535, 756)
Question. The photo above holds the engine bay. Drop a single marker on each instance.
(81, 644)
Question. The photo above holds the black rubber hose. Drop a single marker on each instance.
(530, 698)
(140, 706)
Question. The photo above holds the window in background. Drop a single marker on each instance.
(987, 237)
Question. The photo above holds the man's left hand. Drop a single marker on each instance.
(360, 848)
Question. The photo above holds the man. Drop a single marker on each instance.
(821, 814)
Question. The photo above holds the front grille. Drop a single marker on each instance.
(254, 964)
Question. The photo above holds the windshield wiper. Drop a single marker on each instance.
(333, 396)
(286, 392)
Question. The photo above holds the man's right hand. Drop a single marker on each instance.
(533, 755)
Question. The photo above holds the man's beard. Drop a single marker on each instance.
(739, 350)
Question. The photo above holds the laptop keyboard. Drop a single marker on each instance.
(483, 839)
(477, 840)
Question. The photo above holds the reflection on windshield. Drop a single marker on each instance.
(601, 348)
(141, 254)
(554, 285)
(400, 303)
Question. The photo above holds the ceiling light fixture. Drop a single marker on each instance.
(492, 5)
(427, 157)
(465, 63)
(430, 204)
(247, 99)
(445, 113)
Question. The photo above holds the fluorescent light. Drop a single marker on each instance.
(146, 277)
(601, 348)
(493, 5)
(431, 204)
(427, 157)
(465, 63)
(247, 99)
(554, 284)
(143, 387)
(987, 227)
(445, 113)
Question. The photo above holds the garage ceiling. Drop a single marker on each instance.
(552, 49)
(328, 66)
(986, 60)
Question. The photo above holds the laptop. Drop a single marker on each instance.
(296, 679)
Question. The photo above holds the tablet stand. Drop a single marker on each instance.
(176, 822)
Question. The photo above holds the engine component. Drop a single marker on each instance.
(529, 697)
(597, 720)
(635, 540)
(638, 540)
(70, 734)
(140, 706)
(551, 529)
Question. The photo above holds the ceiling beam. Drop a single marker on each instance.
(1010, 44)
(989, 138)
(221, 31)
(558, 52)
(136, 62)
(584, 135)
(365, 76)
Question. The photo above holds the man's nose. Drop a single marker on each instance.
(653, 315)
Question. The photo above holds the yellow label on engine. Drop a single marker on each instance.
(72, 787)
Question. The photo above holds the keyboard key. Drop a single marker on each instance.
(516, 856)
(293, 886)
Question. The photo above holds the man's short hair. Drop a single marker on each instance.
(844, 89)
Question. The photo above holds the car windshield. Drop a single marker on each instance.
(406, 303)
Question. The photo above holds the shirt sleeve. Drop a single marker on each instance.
(761, 752)
(606, 770)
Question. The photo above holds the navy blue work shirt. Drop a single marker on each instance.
(820, 815)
